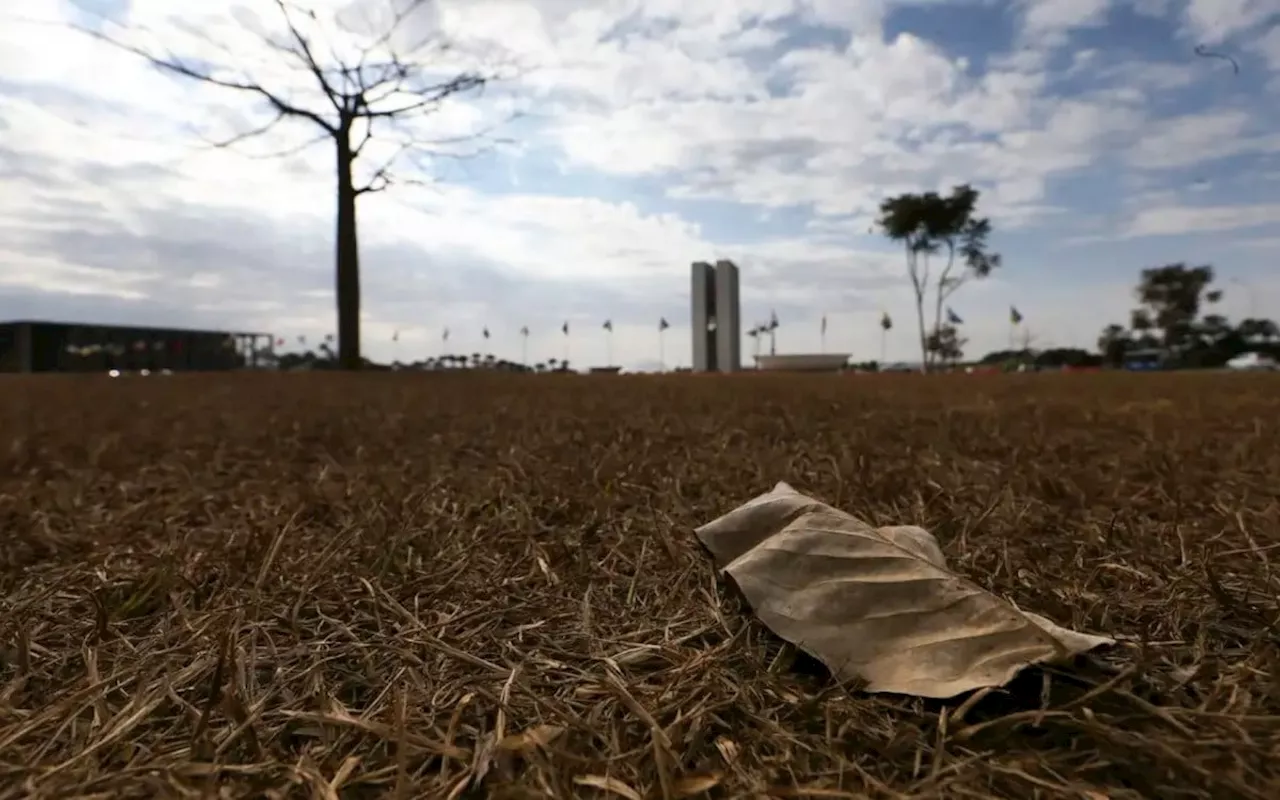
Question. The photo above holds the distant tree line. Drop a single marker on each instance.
(324, 359)
(1168, 320)
(945, 245)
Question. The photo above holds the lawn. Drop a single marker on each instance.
(416, 586)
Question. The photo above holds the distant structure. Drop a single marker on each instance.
(35, 346)
(717, 322)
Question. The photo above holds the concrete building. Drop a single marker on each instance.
(728, 318)
(717, 321)
(36, 346)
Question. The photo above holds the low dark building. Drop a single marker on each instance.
(29, 346)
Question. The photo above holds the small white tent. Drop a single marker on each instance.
(1252, 360)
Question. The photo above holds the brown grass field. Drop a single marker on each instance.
(424, 586)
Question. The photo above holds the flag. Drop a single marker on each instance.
(663, 324)
(608, 325)
(886, 322)
(486, 331)
(524, 331)
(773, 320)
(279, 343)
(1015, 316)
(565, 327)
(395, 337)
(953, 318)
(328, 337)
(824, 324)
(302, 340)
(445, 336)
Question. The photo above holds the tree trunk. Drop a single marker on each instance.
(942, 282)
(919, 290)
(347, 253)
(924, 338)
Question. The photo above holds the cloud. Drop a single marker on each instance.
(1215, 21)
(648, 134)
(1184, 220)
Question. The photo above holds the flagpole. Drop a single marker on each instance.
(524, 349)
(608, 348)
(662, 349)
(884, 343)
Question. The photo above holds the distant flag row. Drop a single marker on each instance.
(328, 339)
(772, 325)
(524, 330)
(886, 324)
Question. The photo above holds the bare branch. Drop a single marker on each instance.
(176, 66)
(429, 98)
(304, 53)
(288, 151)
(387, 89)
(249, 134)
(381, 178)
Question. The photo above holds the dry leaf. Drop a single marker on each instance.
(537, 736)
(728, 749)
(691, 785)
(605, 783)
(877, 604)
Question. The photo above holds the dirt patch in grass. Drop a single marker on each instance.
(459, 586)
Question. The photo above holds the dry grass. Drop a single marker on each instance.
(457, 586)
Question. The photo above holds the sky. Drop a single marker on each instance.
(622, 140)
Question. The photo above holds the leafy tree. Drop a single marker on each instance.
(946, 345)
(1058, 357)
(1113, 343)
(385, 85)
(930, 225)
(1171, 298)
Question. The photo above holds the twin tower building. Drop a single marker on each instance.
(717, 324)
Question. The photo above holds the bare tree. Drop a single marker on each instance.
(372, 87)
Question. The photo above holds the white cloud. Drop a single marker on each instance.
(1054, 17)
(1183, 220)
(1199, 138)
(1268, 47)
(1215, 21)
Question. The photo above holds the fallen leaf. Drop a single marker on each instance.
(537, 736)
(727, 748)
(691, 785)
(607, 784)
(877, 604)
